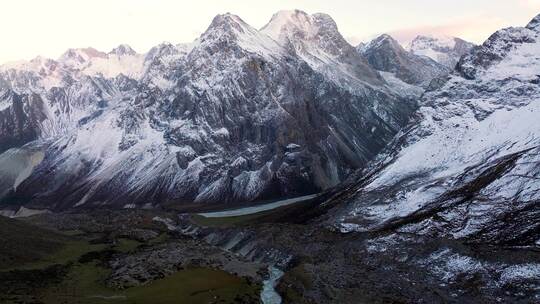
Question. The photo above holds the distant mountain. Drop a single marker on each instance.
(74, 64)
(385, 54)
(238, 115)
(445, 50)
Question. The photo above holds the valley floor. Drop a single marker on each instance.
(94, 259)
(132, 256)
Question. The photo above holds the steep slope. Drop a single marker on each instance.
(235, 116)
(387, 55)
(44, 97)
(451, 209)
(467, 167)
(445, 50)
(20, 118)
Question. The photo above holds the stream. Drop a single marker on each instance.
(269, 295)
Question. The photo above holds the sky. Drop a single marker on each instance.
(48, 28)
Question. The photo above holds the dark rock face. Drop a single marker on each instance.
(534, 24)
(387, 55)
(20, 119)
(235, 117)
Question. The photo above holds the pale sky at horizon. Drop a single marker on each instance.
(48, 28)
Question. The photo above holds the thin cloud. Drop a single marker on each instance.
(475, 30)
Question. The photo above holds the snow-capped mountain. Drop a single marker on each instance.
(386, 55)
(316, 39)
(445, 50)
(121, 60)
(238, 115)
(467, 167)
(71, 66)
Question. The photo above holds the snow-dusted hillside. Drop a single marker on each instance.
(238, 115)
(467, 167)
(456, 195)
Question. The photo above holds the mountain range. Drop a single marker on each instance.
(425, 159)
(238, 115)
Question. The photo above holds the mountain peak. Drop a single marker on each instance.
(228, 22)
(160, 50)
(385, 38)
(535, 23)
(41, 60)
(123, 50)
(431, 41)
(231, 31)
(297, 24)
(495, 49)
(360, 46)
(82, 54)
(317, 40)
(304, 32)
(287, 18)
(383, 41)
(326, 21)
(385, 54)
